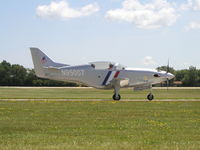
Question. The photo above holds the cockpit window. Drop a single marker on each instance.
(110, 66)
(119, 67)
(102, 65)
(107, 65)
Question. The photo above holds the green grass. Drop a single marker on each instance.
(67, 93)
(109, 125)
(46, 125)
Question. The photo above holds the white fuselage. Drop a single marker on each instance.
(101, 78)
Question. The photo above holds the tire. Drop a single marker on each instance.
(150, 97)
(116, 98)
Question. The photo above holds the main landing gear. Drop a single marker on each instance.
(116, 95)
(150, 96)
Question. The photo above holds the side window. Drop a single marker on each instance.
(110, 66)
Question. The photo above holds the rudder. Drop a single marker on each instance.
(41, 60)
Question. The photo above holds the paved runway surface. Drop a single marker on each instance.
(92, 100)
(24, 87)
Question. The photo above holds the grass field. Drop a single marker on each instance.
(109, 125)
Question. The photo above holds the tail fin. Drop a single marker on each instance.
(41, 61)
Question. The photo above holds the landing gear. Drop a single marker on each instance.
(116, 97)
(150, 97)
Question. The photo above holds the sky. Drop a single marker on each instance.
(135, 33)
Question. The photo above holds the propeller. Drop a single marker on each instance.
(167, 81)
(167, 84)
(168, 66)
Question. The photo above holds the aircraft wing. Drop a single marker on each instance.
(142, 87)
(120, 82)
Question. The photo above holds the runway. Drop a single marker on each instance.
(105, 100)
(45, 87)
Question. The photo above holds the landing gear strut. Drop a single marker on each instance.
(116, 95)
(150, 96)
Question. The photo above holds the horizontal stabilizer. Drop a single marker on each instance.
(51, 68)
(119, 82)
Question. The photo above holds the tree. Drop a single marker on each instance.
(179, 74)
(5, 73)
(18, 75)
(30, 77)
(191, 77)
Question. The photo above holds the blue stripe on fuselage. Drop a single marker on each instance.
(106, 78)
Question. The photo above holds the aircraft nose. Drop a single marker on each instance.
(170, 76)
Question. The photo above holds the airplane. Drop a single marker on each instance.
(99, 74)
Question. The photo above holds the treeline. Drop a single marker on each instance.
(185, 77)
(17, 75)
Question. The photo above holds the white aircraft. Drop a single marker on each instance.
(102, 75)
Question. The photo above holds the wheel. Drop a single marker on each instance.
(150, 97)
(116, 98)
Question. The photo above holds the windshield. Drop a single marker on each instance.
(119, 67)
(106, 65)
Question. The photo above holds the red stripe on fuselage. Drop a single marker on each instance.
(116, 74)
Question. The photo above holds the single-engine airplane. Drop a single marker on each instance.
(100, 74)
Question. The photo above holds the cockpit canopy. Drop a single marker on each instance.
(106, 65)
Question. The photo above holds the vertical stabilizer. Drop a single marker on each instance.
(40, 61)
